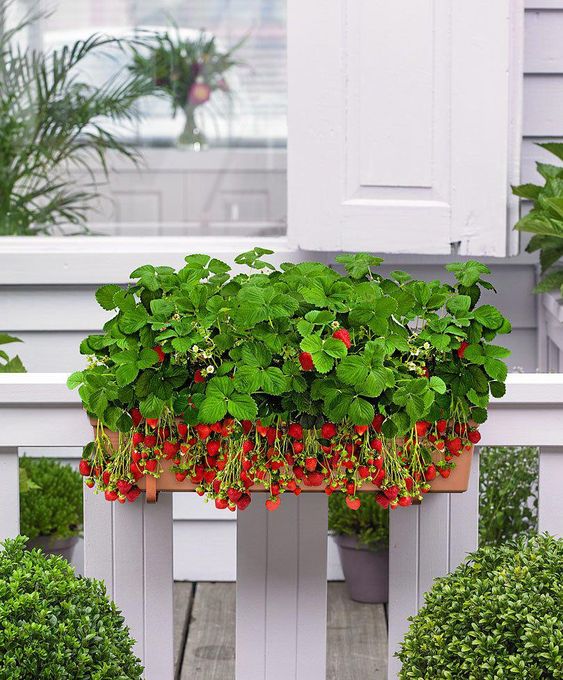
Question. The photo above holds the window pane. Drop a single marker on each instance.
(210, 131)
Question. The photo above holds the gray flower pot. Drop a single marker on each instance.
(366, 571)
(55, 546)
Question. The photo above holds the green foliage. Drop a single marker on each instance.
(545, 220)
(9, 364)
(370, 523)
(53, 505)
(57, 626)
(508, 493)
(498, 615)
(242, 337)
(52, 122)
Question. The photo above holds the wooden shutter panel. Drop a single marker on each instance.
(403, 124)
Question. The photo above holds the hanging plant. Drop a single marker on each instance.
(288, 379)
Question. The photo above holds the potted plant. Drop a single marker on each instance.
(187, 68)
(51, 512)
(498, 615)
(290, 379)
(54, 624)
(9, 364)
(362, 538)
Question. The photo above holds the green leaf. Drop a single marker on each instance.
(459, 305)
(106, 294)
(304, 327)
(361, 412)
(437, 384)
(496, 369)
(134, 320)
(242, 407)
(274, 381)
(182, 345)
(498, 389)
(125, 374)
(256, 354)
(212, 409)
(488, 316)
(359, 264)
(323, 362)
(247, 379)
(151, 407)
(74, 380)
(335, 348)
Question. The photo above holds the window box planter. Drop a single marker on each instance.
(289, 380)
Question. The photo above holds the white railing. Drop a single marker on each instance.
(281, 566)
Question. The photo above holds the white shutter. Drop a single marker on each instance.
(402, 121)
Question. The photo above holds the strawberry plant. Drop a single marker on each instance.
(9, 364)
(498, 615)
(54, 624)
(290, 377)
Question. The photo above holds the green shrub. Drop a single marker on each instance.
(57, 626)
(55, 508)
(508, 493)
(498, 615)
(370, 523)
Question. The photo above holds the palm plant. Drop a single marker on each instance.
(52, 122)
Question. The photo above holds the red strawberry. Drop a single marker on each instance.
(110, 495)
(353, 502)
(199, 378)
(298, 472)
(376, 445)
(391, 492)
(298, 447)
(430, 473)
(151, 464)
(124, 486)
(150, 441)
(291, 485)
(295, 430)
(133, 494)
(246, 426)
(182, 430)
(440, 444)
(409, 481)
(121, 499)
(328, 431)
(161, 355)
(273, 503)
(203, 431)
(474, 436)
(377, 422)
(89, 483)
(106, 477)
(234, 494)
(244, 501)
(422, 428)
(441, 426)
(181, 476)
(221, 503)
(445, 472)
(461, 349)
(137, 438)
(363, 471)
(152, 422)
(297, 491)
(379, 477)
(454, 445)
(310, 463)
(213, 446)
(405, 501)
(247, 446)
(136, 416)
(306, 361)
(329, 490)
(342, 334)
(382, 500)
(314, 479)
(84, 468)
(170, 449)
(137, 474)
(360, 429)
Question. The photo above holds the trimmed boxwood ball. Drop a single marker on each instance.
(55, 625)
(55, 508)
(498, 615)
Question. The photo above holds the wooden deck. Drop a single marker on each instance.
(204, 634)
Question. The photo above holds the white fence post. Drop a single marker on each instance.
(281, 590)
(9, 493)
(550, 501)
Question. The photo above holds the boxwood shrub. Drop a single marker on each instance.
(498, 615)
(55, 625)
(55, 508)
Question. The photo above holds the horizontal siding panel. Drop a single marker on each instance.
(531, 154)
(50, 351)
(543, 47)
(543, 105)
(544, 4)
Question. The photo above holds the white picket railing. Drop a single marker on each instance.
(281, 567)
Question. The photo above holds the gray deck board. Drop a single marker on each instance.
(356, 644)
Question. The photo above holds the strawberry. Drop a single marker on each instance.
(135, 471)
(151, 464)
(441, 426)
(181, 476)
(137, 438)
(152, 422)
(454, 445)
(244, 501)
(297, 491)
(298, 447)
(314, 479)
(161, 355)
(106, 477)
(422, 428)
(328, 430)
(170, 449)
(150, 441)
(377, 422)
(379, 477)
(310, 463)
(110, 495)
(382, 500)
(460, 351)
(89, 483)
(124, 487)
(198, 377)
(291, 485)
(430, 473)
(363, 471)
(409, 481)
(353, 502)
(391, 492)
(405, 501)
(234, 494)
(440, 444)
(84, 468)
(343, 335)
(203, 431)
(136, 416)
(121, 499)
(221, 503)
(445, 472)
(360, 429)
(474, 436)
(213, 446)
(295, 431)
(306, 361)
(133, 494)
(246, 426)
(182, 430)
(329, 490)
(298, 472)
(273, 503)
(247, 446)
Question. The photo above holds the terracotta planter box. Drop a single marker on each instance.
(457, 482)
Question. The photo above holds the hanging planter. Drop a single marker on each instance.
(295, 380)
